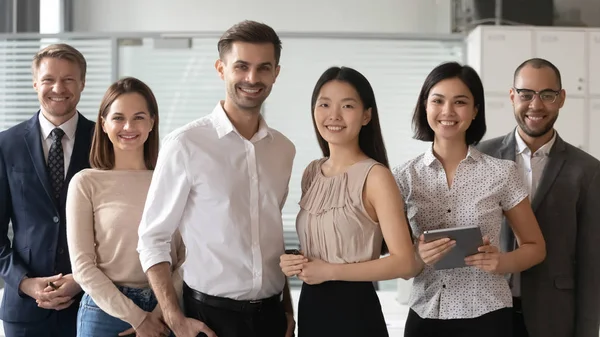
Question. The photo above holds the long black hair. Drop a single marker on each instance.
(370, 139)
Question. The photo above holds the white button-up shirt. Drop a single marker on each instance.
(483, 188)
(531, 168)
(68, 140)
(225, 194)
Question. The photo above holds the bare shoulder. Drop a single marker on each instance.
(380, 177)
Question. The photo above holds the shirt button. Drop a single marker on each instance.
(55, 219)
(444, 286)
(449, 210)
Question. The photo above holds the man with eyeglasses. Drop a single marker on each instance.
(561, 296)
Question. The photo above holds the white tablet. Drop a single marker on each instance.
(468, 240)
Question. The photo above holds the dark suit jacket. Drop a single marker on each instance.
(39, 246)
(561, 295)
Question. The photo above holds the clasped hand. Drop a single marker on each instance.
(313, 271)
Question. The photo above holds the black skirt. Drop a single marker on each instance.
(340, 308)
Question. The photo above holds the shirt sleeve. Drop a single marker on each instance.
(82, 252)
(514, 190)
(165, 204)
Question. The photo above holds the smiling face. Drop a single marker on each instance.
(536, 114)
(450, 109)
(58, 85)
(249, 71)
(340, 114)
(128, 122)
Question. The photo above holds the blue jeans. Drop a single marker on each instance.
(94, 322)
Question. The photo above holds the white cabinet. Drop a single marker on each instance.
(594, 62)
(495, 53)
(594, 128)
(566, 50)
(571, 124)
(499, 116)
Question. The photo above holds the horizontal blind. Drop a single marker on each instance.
(18, 99)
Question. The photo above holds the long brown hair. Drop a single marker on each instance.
(102, 155)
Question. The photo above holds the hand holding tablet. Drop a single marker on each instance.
(447, 248)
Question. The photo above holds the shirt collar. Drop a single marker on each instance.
(69, 127)
(224, 126)
(472, 153)
(523, 148)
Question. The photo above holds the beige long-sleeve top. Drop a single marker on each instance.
(104, 208)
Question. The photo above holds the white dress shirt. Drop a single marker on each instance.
(225, 194)
(531, 168)
(483, 188)
(68, 140)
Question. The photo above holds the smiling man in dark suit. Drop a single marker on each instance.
(37, 160)
(560, 297)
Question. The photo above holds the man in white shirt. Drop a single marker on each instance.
(559, 297)
(222, 181)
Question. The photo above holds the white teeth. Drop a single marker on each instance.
(447, 123)
(250, 91)
(535, 118)
(128, 137)
(334, 128)
(57, 99)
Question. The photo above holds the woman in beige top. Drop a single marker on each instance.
(104, 207)
(351, 209)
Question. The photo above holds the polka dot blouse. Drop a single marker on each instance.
(483, 187)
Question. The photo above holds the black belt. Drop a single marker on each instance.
(231, 304)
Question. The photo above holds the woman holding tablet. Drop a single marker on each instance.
(451, 185)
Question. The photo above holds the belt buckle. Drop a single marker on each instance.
(255, 301)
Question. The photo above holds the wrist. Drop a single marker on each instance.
(172, 317)
(334, 272)
(24, 286)
(505, 264)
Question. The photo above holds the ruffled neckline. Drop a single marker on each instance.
(326, 192)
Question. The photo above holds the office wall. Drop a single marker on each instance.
(380, 16)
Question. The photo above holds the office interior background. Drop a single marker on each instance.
(171, 45)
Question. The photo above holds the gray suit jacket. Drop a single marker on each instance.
(561, 295)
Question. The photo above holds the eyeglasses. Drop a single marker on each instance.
(546, 96)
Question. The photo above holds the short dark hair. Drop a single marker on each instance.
(252, 32)
(539, 63)
(471, 79)
(102, 154)
(370, 139)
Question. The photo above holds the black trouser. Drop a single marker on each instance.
(519, 329)
(231, 318)
(497, 323)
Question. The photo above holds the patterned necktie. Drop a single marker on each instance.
(56, 162)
